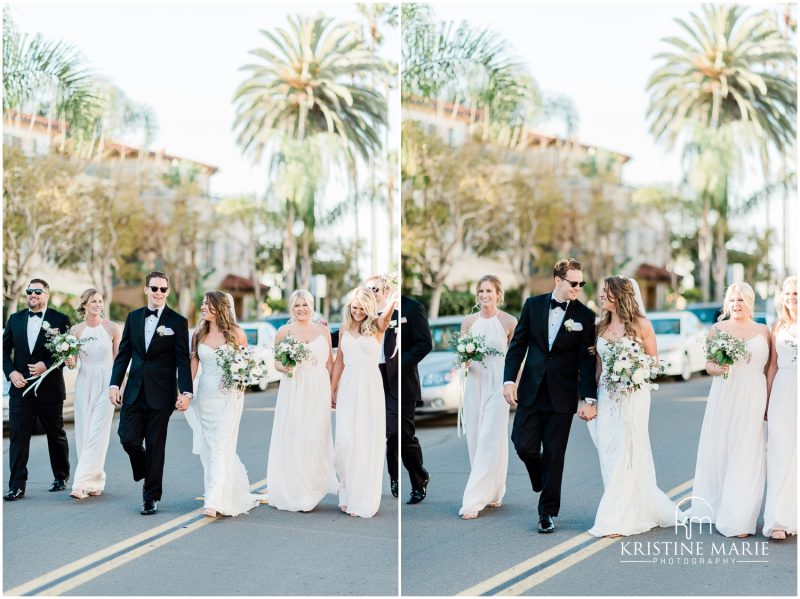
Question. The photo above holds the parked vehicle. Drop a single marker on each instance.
(440, 378)
(680, 339)
(262, 334)
(708, 313)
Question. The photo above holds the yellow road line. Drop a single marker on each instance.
(73, 568)
(553, 553)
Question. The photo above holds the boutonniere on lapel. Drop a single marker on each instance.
(392, 324)
(403, 320)
(571, 325)
(164, 331)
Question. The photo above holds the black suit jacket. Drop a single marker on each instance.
(17, 355)
(569, 365)
(154, 370)
(415, 343)
(389, 346)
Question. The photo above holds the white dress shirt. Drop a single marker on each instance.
(150, 327)
(34, 327)
(555, 320)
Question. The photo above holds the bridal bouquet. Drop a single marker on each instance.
(627, 368)
(61, 346)
(724, 348)
(471, 347)
(291, 351)
(241, 366)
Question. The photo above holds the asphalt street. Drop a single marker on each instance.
(102, 546)
(501, 551)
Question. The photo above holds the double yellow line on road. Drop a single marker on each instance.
(534, 571)
(66, 578)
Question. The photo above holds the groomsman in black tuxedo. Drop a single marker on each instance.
(24, 355)
(556, 332)
(155, 342)
(415, 343)
(381, 289)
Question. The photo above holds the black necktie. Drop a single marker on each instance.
(34, 314)
(555, 304)
(149, 312)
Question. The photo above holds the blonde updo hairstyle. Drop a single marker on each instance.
(498, 287)
(620, 289)
(784, 318)
(219, 303)
(86, 297)
(747, 294)
(304, 294)
(368, 326)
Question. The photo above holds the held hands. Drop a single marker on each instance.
(510, 394)
(17, 380)
(114, 396)
(36, 369)
(183, 401)
(587, 412)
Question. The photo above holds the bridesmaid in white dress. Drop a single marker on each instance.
(632, 503)
(780, 509)
(93, 411)
(300, 466)
(731, 462)
(485, 409)
(214, 415)
(360, 444)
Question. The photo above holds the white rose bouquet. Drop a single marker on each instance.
(61, 346)
(291, 351)
(724, 348)
(471, 347)
(627, 368)
(241, 366)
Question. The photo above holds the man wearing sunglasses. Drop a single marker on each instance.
(155, 341)
(557, 331)
(24, 356)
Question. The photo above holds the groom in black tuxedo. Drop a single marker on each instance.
(25, 355)
(557, 331)
(155, 342)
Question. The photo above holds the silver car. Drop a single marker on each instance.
(680, 339)
(439, 375)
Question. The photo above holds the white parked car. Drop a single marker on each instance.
(439, 376)
(262, 335)
(681, 342)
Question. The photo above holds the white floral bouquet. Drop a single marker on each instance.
(241, 366)
(628, 368)
(291, 351)
(793, 344)
(724, 348)
(471, 347)
(61, 346)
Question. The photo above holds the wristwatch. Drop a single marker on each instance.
(590, 401)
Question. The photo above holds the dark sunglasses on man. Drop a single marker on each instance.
(157, 289)
(36, 291)
(573, 284)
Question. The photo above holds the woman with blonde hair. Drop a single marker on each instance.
(93, 411)
(215, 414)
(357, 395)
(485, 409)
(731, 466)
(780, 509)
(300, 465)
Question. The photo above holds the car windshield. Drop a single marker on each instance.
(442, 333)
(667, 326)
(706, 315)
(252, 336)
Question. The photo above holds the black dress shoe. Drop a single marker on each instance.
(14, 494)
(418, 495)
(149, 507)
(58, 485)
(546, 524)
(395, 488)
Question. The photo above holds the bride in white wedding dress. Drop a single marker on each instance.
(214, 415)
(632, 503)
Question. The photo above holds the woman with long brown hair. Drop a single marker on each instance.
(215, 414)
(632, 503)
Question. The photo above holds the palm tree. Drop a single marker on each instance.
(727, 77)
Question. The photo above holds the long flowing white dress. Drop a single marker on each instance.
(300, 466)
(214, 417)
(731, 461)
(780, 509)
(486, 422)
(360, 444)
(93, 411)
(632, 503)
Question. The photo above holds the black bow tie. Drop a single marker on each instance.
(149, 312)
(555, 304)
(34, 314)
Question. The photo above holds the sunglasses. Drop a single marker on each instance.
(573, 284)
(36, 291)
(156, 289)
(374, 289)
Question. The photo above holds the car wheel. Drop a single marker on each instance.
(686, 369)
(261, 386)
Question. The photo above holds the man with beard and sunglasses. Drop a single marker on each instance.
(155, 342)
(25, 356)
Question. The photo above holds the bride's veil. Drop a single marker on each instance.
(232, 305)
(638, 293)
